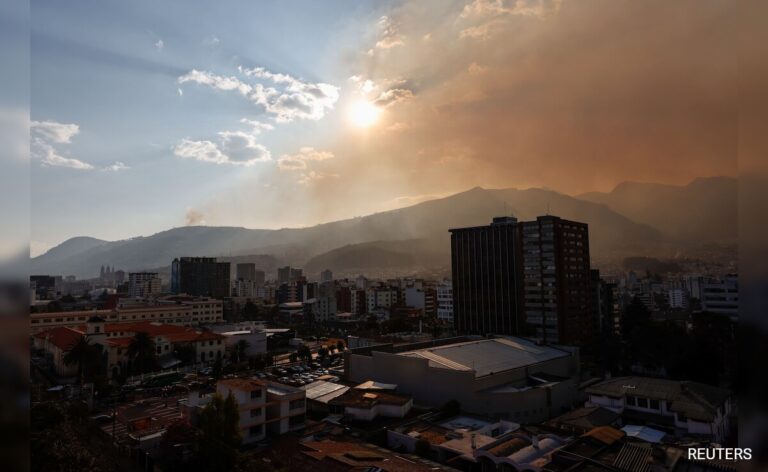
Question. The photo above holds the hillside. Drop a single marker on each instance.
(703, 211)
(611, 235)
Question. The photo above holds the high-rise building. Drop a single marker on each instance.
(485, 267)
(326, 276)
(287, 275)
(245, 271)
(523, 278)
(721, 296)
(557, 290)
(143, 284)
(200, 276)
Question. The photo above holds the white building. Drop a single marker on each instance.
(445, 302)
(381, 298)
(266, 408)
(678, 298)
(687, 409)
(143, 284)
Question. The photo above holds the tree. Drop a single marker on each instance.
(293, 357)
(250, 311)
(217, 368)
(87, 356)
(322, 352)
(142, 353)
(239, 350)
(304, 352)
(219, 434)
(340, 346)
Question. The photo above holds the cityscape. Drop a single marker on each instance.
(526, 358)
(383, 236)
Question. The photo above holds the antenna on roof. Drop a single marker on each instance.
(547, 207)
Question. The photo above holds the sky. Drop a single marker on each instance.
(152, 115)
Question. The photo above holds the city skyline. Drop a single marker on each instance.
(226, 119)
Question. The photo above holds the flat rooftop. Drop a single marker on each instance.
(487, 356)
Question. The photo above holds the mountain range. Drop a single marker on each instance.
(635, 219)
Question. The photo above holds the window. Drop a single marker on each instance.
(655, 404)
(296, 404)
(255, 394)
(256, 430)
(631, 401)
(682, 418)
(256, 412)
(642, 402)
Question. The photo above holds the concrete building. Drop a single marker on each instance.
(288, 275)
(200, 276)
(486, 272)
(684, 409)
(326, 276)
(176, 310)
(369, 400)
(381, 297)
(558, 299)
(721, 296)
(266, 408)
(117, 337)
(678, 298)
(506, 377)
(143, 284)
(445, 303)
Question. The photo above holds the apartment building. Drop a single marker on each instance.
(266, 408)
(176, 310)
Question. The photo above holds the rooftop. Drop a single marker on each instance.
(487, 356)
(695, 400)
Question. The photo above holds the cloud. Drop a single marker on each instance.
(389, 36)
(392, 96)
(298, 99)
(299, 160)
(216, 81)
(53, 132)
(397, 127)
(476, 69)
(45, 134)
(194, 217)
(116, 167)
(290, 98)
(291, 163)
(234, 147)
(485, 8)
(257, 127)
(312, 176)
(211, 41)
(159, 44)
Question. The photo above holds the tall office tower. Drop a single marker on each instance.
(326, 276)
(143, 284)
(484, 262)
(259, 278)
(287, 275)
(246, 271)
(200, 276)
(557, 289)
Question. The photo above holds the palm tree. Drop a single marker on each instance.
(85, 355)
(142, 353)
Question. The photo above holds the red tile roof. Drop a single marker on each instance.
(62, 337)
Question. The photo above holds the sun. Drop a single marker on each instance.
(363, 114)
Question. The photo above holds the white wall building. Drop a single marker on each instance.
(445, 302)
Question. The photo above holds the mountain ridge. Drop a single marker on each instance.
(612, 234)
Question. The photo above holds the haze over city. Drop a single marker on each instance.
(149, 116)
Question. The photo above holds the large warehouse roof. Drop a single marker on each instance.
(487, 356)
